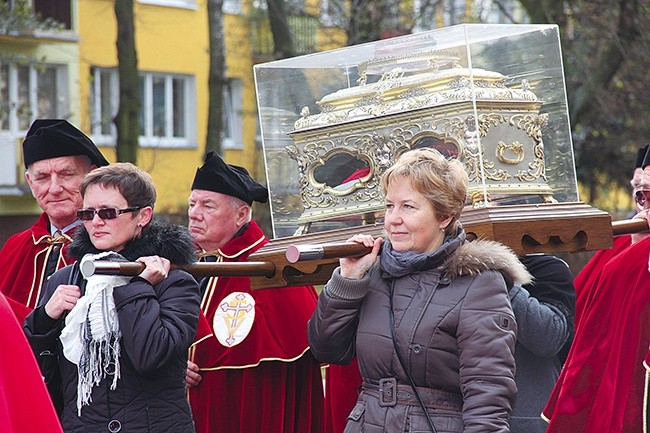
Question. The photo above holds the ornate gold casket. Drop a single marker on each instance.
(492, 96)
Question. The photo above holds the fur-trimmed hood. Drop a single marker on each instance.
(481, 255)
(170, 241)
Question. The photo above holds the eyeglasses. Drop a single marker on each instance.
(106, 213)
(640, 197)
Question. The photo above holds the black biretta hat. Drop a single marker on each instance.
(646, 157)
(215, 175)
(640, 155)
(52, 138)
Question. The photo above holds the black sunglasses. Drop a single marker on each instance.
(106, 213)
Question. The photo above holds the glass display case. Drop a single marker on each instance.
(492, 96)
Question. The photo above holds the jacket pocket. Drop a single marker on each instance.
(444, 421)
(357, 412)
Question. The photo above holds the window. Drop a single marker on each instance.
(29, 91)
(232, 7)
(232, 112)
(58, 11)
(168, 103)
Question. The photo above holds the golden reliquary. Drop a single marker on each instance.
(492, 96)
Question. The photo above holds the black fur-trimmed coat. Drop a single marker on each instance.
(158, 324)
(454, 329)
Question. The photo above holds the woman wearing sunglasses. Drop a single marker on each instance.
(118, 345)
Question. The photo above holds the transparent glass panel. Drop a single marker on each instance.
(47, 92)
(178, 104)
(159, 106)
(107, 105)
(228, 110)
(491, 95)
(5, 105)
(144, 105)
(23, 109)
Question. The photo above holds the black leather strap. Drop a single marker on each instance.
(401, 361)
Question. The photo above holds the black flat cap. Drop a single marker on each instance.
(646, 158)
(215, 175)
(640, 155)
(52, 138)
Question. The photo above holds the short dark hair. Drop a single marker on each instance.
(135, 184)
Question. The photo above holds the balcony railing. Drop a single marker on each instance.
(303, 30)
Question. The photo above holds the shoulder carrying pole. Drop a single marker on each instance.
(308, 259)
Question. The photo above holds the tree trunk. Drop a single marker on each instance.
(282, 38)
(283, 48)
(216, 79)
(127, 120)
(614, 55)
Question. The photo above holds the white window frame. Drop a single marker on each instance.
(95, 104)
(12, 135)
(233, 114)
(62, 103)
(183, 4)
(148, 139)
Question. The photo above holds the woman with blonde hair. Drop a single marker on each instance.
(425, 312)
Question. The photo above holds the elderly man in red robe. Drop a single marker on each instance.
(57, 156)
(603, 387)
(250, 369)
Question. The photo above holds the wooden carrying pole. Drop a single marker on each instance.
(310, 259)
(630, 226)
(199, 269)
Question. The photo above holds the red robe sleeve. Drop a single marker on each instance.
(25, 405)
(22, 260)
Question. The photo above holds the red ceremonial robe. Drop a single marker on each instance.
(602, 386)
(25, 405)
(590, 274)
(267, 380)
(22, 260)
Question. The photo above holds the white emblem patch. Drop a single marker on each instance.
(234, 318)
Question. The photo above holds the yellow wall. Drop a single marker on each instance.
(171, 40)
(239, 64)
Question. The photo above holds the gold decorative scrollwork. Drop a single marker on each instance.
(536, 168)
(530, 123)
(473, 167)
(454, 127)
(516, 147)
(486, 121)
(318, 184)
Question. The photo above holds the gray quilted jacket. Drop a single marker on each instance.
(454, 328)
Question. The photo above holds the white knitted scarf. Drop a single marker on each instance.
(91, 336)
